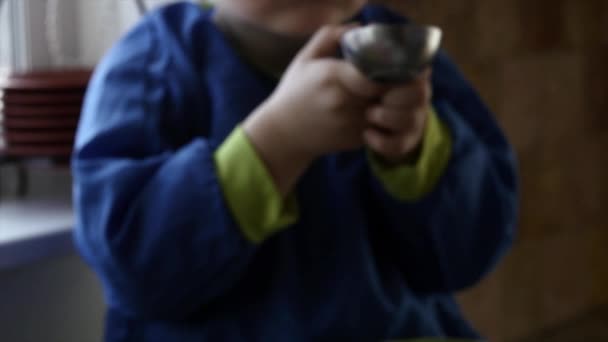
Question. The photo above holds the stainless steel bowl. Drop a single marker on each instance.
(391, 53)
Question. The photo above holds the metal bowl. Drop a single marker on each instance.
(391, 53)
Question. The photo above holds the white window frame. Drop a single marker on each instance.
(23, 35)
(13, 35)
(24, 40)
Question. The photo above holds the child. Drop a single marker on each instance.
(234, 181)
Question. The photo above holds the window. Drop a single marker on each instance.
(9, 22)
(38, 34)
(4, 36)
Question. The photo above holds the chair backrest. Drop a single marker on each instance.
(40, 112)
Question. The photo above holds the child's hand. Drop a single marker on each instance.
(398, 122)
(318, 108)
(320, 104)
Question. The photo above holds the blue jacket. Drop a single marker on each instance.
(358, 265)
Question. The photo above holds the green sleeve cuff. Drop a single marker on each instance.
(250, 191)
(411, 182)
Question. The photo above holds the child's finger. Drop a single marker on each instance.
(357, 83)
(324, 43)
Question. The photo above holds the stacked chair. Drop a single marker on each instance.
(39, 113)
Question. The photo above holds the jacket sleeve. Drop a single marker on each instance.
(449, 239)
(151, 218)
(414, 179)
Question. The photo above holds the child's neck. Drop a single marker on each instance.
(269, 52)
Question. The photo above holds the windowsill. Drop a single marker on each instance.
(39, 225)
(34, 229)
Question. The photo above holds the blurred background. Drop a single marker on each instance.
(540, 65)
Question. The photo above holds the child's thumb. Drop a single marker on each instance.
(324, 43)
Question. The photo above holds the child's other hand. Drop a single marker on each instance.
(320, 104)
(397, 124)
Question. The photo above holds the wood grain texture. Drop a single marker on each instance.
(541, 66)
